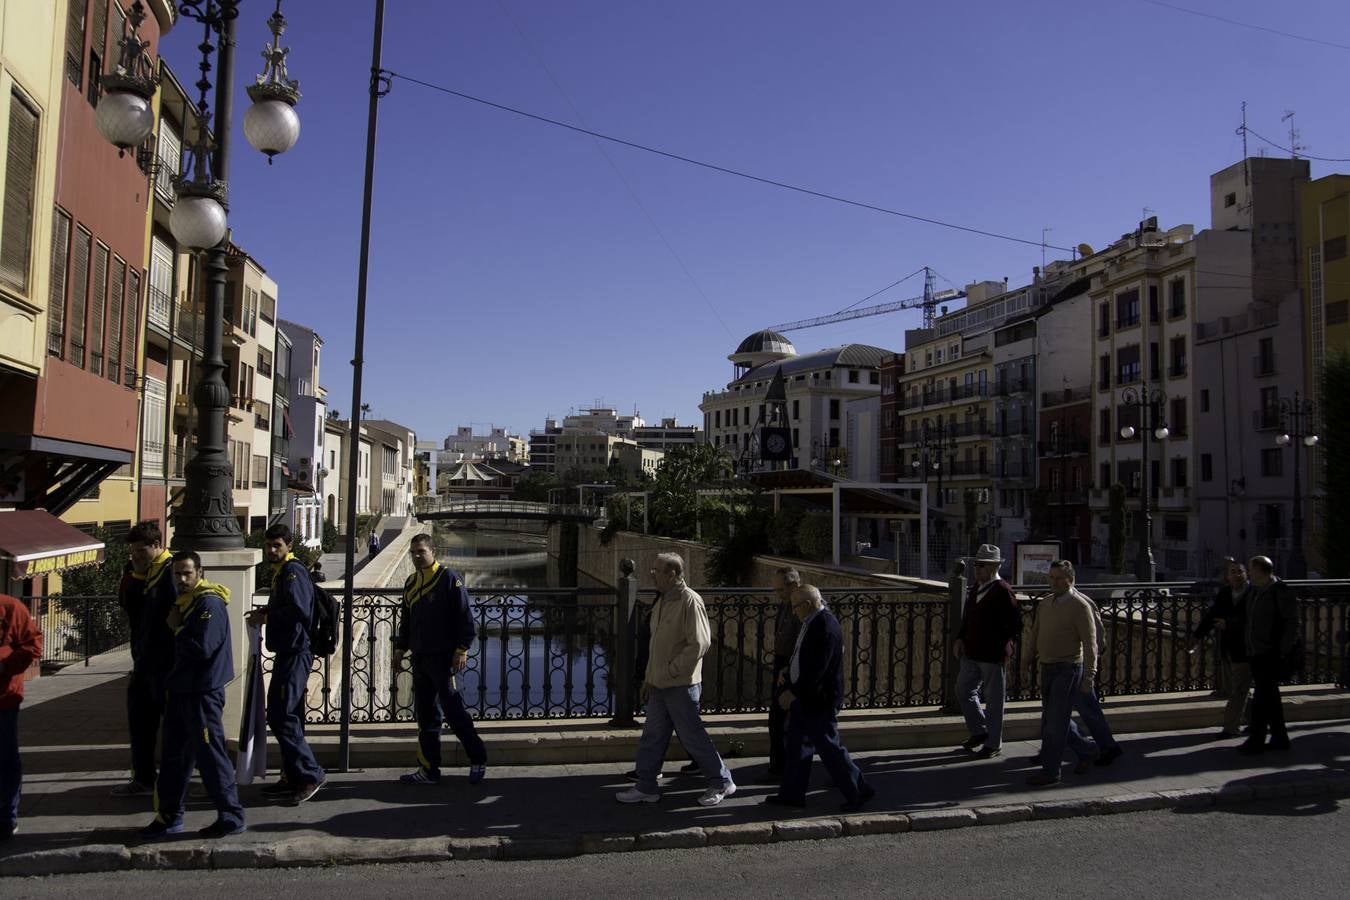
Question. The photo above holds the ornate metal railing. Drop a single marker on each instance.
(74, 628)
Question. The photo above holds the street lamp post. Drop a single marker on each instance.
(1296, 418)
(1147, 404)
(205, 520)
(936, 441)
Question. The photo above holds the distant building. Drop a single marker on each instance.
(545, 444)
(394, 446)
(496, 444)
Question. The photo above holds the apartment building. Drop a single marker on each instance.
(307, 472)
(394, 447)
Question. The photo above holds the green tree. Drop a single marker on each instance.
(675, 499)
(330, 536)
(815, 537)
(1335, 422)
(748, 536)
(784, 530)
(100, 623)
(534, 487)
(1116, 528)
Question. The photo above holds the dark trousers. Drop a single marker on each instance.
(193, 732)
(11, 769)
(436, 699)
(810, 732)
(145, 711)
(286, 717)
(1267, 713)
(777, 720)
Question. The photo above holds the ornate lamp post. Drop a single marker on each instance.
(1296, 418)
(1147, 404)
(205, 521)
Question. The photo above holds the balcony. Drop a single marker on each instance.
(277, 500)
(1174, 498)
(1051, 399)
(165, 172)
(1127, 321)
(1176, 370)
(1066, 498)
(1263, 365)
(281, 384)
(1012, 387)
(968, 467)
(281, 447)
(1015, 471)
(187, 326)
(1062, 447)
(1266, 420)
(159, 309)
(1012, 429)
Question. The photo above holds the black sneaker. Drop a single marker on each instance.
(305, 791)
(159, 828)
(987, 752)
(279, 788)
(690, 768)
(1106, 757)
(220, 828)
(974, 741)
(865, 793)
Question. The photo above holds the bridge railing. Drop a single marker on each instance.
(506, 508)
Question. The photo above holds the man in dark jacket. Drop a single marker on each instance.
(814, 691)
(1273, 628)
(786, 627)
(290, 606)
(20, 646)
(203, 664)
(437, 627)
(991, 624)
(147, 595)
(1228, 616)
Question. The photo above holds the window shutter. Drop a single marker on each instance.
(98, 309)
(79, 295)
(75, 42)
(56, 298)
(98, 37)
(116, 287)
(115, 33)
(16, 244)
(132, 320)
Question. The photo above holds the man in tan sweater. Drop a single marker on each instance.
(1064, 640)
(672, 687)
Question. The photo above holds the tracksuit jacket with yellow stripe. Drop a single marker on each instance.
(437, 616)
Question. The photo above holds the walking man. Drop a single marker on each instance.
(20, 646)
(786, 628)
(203, 664)
(1273, 629)
(674, 682)
(1086, 702)
(437, 627)
(814, 691)
(1228, 616)
(1064, 640)
(146, 596)
(991, 624)
(290, 607)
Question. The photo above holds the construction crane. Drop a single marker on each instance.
(929, 302)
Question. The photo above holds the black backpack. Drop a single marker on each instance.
(323, 623)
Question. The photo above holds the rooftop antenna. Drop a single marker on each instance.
(1294, 145)
(1044, 231)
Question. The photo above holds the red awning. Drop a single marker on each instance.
(35, 543)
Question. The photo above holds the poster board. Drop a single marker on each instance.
(1031, 562)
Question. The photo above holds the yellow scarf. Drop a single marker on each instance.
(420, 583)
(156, 568)
(277, 567)
(184, 603)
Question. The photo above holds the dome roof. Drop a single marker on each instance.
(766, 342)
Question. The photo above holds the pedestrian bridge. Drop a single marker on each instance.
(451, 508)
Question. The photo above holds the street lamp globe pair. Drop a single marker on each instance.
(126, 119)
(1161, 432)
(1309, 440)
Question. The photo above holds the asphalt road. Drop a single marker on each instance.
(1278, 848)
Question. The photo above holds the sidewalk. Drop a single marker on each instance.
(73, 735)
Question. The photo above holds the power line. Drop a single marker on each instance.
(1290, 150)
(723, 169)
(1228, 21)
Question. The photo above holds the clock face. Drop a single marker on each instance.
(776, 444)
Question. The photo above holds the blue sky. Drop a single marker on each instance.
(519, 270)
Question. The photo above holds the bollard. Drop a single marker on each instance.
(623, 676)
(951, 666)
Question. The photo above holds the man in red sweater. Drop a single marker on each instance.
(991, 623)
(20, 645)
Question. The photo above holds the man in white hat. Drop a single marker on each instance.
(991, 624)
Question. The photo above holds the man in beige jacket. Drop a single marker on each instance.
(672, 687)
(1064, 641)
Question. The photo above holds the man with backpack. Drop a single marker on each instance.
(289, 617)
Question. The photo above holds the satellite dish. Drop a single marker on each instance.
(1085, 250)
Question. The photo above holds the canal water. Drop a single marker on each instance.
(540, 654)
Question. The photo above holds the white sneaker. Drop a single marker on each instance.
(714, 796)
(633, 795)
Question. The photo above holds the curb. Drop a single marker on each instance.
(336, 851)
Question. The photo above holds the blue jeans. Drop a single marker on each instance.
(11, 772)
(989, 680)
(675, 709)
(1060, 683)
(1090, 710)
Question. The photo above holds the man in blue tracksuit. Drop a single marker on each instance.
(147, 595)
(203, 664)
(437, 626)
(287, 617)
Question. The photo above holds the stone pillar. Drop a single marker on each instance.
(235, 569)
(623, 681)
